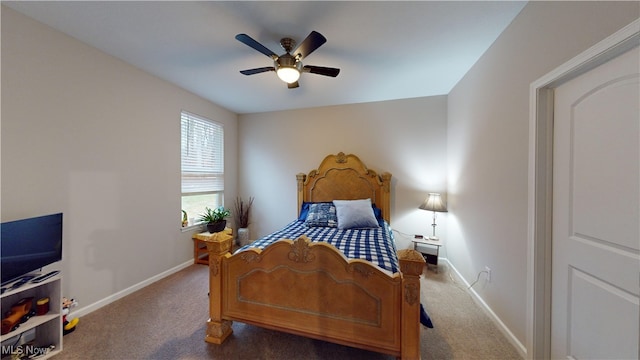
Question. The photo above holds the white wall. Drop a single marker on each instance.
(488, 143)
(88, 135)
(404, 137)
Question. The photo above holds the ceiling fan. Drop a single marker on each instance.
(289, 66)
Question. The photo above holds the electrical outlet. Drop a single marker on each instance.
(488, 270)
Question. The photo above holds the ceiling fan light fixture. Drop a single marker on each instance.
(288, 74)
(289, 67)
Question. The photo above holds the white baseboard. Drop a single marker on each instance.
(503, 328)
(120, 294)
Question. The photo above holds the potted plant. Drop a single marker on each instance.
(241, 213)
(215, 218)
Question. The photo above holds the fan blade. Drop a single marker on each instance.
(309, 45)
(320, 70)
(248, 40)
(293, 85)
(257, 70)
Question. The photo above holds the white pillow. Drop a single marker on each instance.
(355, 214)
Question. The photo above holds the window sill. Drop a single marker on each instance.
(199, 227)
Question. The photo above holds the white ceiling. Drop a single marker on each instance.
(385, 49)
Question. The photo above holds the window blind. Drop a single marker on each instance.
(202, 155)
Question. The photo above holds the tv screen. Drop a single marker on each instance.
(29, 244)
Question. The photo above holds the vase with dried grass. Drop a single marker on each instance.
(241, 213)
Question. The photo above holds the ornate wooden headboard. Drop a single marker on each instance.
(345, 177)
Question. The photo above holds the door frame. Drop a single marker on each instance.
(540, 181)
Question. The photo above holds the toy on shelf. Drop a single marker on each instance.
(19, 313)
(185, 220)
(68, 323)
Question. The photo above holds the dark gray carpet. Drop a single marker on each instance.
(167, 320)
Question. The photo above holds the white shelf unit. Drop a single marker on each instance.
(48, 327)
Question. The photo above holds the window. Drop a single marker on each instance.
(202, 145)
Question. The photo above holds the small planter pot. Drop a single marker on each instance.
(243, 236)
(214, 227)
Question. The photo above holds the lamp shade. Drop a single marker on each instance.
(433, 203)
(288, 68)
(288, 74)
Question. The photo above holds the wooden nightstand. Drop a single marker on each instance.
(430, 249)
(200, 254)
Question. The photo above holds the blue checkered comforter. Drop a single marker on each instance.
(374, 245)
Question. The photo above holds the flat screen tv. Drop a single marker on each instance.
(29, 244)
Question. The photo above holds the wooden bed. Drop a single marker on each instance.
(311, 289)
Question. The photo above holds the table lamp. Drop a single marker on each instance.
(433, 203)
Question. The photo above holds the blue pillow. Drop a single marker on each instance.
(321, 214)
(378, 214)
(355, 214)
(304, 209)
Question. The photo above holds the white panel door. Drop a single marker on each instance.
(595, 311)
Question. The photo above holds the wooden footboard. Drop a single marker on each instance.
(311, 289)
